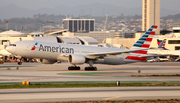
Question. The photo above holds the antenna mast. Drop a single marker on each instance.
(105, 22)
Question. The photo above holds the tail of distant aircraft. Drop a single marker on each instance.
(145, 40)
(161, 44)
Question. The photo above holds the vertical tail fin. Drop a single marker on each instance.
(161, 44)
(145, 40)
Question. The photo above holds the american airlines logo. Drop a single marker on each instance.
(34, 47)
(56, 49)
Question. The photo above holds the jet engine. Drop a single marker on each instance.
(46, 61)
(113, 61)
(76, 59)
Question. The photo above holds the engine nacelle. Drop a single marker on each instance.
(76, 59)
(113, 61)
(46, 61)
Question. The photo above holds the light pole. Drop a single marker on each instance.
(7, 25)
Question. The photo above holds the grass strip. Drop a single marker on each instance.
(175, 75)
(71, 85)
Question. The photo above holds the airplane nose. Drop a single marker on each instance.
(7, 48)
(10, 49)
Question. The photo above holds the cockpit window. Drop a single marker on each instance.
(12, 45)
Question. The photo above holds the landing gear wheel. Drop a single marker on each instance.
(19, 63)
(74, 68)
(69, 68)
(90, 68)
(95, 69)
(78, 68)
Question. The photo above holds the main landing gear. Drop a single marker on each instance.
(74, 67)
(90, 68)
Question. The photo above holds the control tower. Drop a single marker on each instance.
(150, 14)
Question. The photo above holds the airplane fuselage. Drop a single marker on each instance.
(60, 51)
(79, 54)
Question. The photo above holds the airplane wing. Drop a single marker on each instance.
(114, 52)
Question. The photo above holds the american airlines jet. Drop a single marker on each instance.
(163, 51)
(50, 52)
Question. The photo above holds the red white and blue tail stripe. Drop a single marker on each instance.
(163, 45)
(145, 40)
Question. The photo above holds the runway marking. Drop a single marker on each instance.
(111, 98)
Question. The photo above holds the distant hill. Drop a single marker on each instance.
(95, 9)
(176, 16)
(12, 10)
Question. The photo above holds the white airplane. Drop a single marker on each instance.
(163, 51)
(50, 52)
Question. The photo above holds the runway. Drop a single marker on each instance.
(58, 73)
(35, 72)
(87, 94)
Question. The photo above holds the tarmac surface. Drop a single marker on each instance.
(11, 73)
(36, 72)
(88, 94)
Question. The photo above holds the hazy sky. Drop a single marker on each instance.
(36, 4)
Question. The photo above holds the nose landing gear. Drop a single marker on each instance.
(20, 63)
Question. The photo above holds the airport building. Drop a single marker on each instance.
(126, 41)
(69, 40)
(100, 36)
(79, 25)
(150, 14)
(172, 40)
(36, 34)
(55, 32)
(12, 33)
